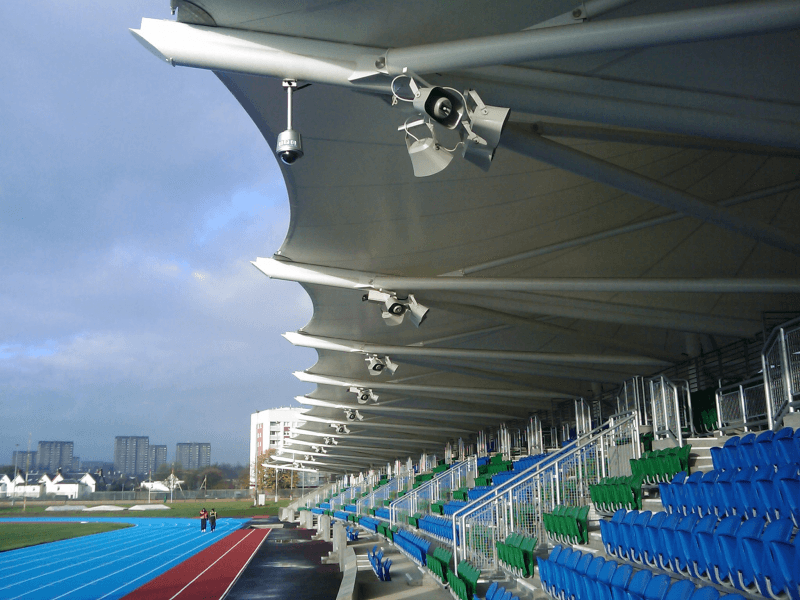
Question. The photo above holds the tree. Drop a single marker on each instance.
(265, 476)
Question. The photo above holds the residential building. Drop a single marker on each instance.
(269, 429)
(22, 459)
(158, 456)
(132, 454)
(193, 455)
(54, 455)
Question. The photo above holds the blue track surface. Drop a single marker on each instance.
(104, 566)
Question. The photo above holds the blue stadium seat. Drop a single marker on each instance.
(665, 532)
(747, 451)
(786, 575)
(625, 533)
(730, 548)
(602, 584)
(690, 544)
(670, 492)
(681, 590)
(787, 446)
(638, 584)
(764, 450)
(609, 531)
(705, 593)
(657, 588)
(678, 558)
(636, 535)
(790, 493)
(648, 535)
(709, 488)
(758, 565)
(588, 590)
(691, 491)
(709, 545)
(742, 487)
(619, 582)
(724, 458)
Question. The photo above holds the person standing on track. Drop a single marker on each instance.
(212, 519)
(203, 517)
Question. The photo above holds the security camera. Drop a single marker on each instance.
(289, 147)
(342, 429)
(290, 144)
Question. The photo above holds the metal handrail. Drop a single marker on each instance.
(470, 462)
(536, 470)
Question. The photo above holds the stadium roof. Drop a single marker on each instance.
(641, 206)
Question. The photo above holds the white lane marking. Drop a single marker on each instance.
(212, 564)
(239, 574)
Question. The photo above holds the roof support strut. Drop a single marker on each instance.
(524, 141)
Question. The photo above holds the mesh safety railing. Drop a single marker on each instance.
(670, 414)
(518, 506)
(388, 491)
(742, 405)
(781, 367)
(310, 499)
(438, 488)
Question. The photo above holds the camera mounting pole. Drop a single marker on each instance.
(289, 84)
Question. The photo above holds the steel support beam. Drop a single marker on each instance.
(437, 390)
(432, 431)
(648, 138)
(555, 358)
(524, 141)
(422, 442)
(359, 280)
(719, 22)
(430, 412)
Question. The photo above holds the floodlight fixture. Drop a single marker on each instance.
(378, 364)
(364, 395)
(479, 126)
(394, 309)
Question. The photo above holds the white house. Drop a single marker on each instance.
(6, 486)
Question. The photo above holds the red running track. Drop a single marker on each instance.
(207, 575)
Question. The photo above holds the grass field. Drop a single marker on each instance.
(20, 535)
(186, 509)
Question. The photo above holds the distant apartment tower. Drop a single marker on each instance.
(131, 454)
(19, 459)
(269, 429)
(158, 456)
(51, 456)
(193, 455)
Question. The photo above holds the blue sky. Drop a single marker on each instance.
(133, 197)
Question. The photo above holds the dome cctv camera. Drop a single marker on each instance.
(289, 147)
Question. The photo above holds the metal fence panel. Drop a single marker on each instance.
(564, 479)
(439, 488)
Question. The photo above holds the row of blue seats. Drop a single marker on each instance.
(383, 513)
(318, 511)
(326, 505)
(352, 508)
(743, 554)
(747, 493)
(478, 491)
(453, 506)
(567, 574)
(340, 514)
(352, 533)
(520, 465)
(483, 460)
(496, 592)
(369, 523)
(379, 566)
(768, 449)
(415, 546)
(439, 527)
